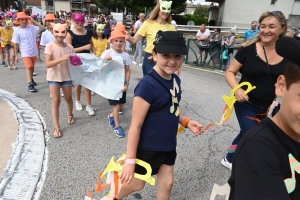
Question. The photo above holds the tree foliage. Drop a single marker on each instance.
(202, 11)
(136, 6)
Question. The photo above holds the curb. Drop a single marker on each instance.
(26, 169)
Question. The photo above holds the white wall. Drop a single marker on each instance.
(242, 12)
(43, 5)
(62, 5)
(296, 8)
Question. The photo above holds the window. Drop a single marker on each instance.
(273, 2)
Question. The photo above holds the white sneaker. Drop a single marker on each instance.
(227, 164)
(140, 64)
(78, 105)
(34, 74)
(133, 62)
(90, 110)
(61, 92)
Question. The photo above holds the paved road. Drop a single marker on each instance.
(86, 147)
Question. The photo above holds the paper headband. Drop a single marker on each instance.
(165, 6)
(78, 18)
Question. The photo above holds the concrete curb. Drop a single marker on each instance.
(25, 171)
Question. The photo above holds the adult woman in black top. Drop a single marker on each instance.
(216, 40)
(252, 62)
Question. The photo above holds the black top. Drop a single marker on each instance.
(81, 40)
(261, 164)
(255, 71)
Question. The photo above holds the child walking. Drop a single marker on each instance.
(57, 54)
(24, 38)
(99, 41)
(6, 34)
(81, 40)
(155, 118)
(117, 41)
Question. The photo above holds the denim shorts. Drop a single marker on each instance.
(56, 83)
(8, 47)
(147, 64)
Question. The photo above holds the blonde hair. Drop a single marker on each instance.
(279, 16)
(155, 12)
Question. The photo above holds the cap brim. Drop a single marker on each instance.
(114, 37)
(166, 49)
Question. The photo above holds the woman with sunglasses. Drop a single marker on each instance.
(160, 19)
(215, 41)
(260, 65)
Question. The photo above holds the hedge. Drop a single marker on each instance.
(183, 19)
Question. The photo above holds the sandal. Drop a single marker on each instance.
(9, 67)
(14, 67)
(56, 133)
(71, 119)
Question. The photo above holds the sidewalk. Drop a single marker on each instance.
(8, 133)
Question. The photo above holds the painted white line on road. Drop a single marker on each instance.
(25, 172)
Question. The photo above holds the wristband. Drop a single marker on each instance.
(185, 122)
(127, 82)
(130, 161)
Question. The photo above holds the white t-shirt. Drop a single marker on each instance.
(125, 56)
(203, 35)
(47, 37)
(85, 21)
(138, 24)
(174, 23)
(26, 38)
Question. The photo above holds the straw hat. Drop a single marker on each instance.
(22, 15)
(49, 17)
(117, 34)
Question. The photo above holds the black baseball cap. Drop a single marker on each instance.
(288, 48)
(170, 42)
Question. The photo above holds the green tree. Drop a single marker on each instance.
(202, 11)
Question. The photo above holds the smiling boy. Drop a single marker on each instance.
(266, 163)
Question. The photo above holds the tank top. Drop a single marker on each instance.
(81, 40)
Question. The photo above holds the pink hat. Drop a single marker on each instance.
(75, 60)
(9, 14)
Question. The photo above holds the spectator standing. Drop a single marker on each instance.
(139, 44)
(251, 32)
(202, 37)
(215, 41)
(228, 43)
(112, 21)
(173, 22)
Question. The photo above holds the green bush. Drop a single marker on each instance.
(183, 20)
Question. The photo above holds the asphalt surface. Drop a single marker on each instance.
(85, 148)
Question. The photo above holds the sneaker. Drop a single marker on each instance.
(133, 62)
(140, 64)
(227, 164)
(34, 83)
(4, 64)
(31, 87)
(119, 132)
(111, 121)
(121, 112)
(61, 92)
(78, 105)
(34, 74)
(90, 110)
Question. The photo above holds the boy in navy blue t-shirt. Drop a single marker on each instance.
(155, 118)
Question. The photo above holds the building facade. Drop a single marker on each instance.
(66, 5)
(242, 12)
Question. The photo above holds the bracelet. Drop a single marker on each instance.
(185, 122)
(130, 161)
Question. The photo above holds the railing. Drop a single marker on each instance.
(194, 29)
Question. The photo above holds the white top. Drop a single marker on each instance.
(174, 23)
(125, 56)
(47, 37)
(85, 21)
(26, 38)
(128, 46)
(203, 35)
(138, 24)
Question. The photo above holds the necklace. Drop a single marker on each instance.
(262, 48)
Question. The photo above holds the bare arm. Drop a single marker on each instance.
(52, 63)
(134, 39)
(41, 27)
(127, 77)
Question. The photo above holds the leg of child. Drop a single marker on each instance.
(77, 91)
(165, 179)
(12, 53)
(88, 96)
(134, 186)
(7, 55)
(2, 54)
(54, 91)
(68, 98)
(29, 73)
(115, 114)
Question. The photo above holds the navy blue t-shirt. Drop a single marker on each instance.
(160, 126)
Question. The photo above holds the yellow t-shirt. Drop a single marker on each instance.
(100, 45)
(7, 35)
(149, 30)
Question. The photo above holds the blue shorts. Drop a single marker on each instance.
(64, 83)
